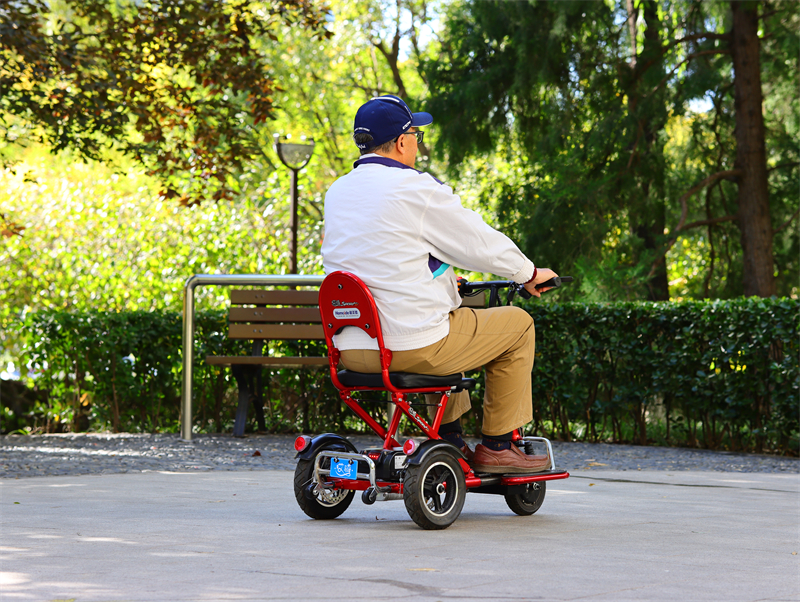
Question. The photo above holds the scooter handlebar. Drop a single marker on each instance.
(466, 288)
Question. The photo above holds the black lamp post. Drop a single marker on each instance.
(295, 157)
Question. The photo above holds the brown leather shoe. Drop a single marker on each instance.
(507, 461)
(468, 453)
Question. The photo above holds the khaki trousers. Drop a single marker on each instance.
(500, 338)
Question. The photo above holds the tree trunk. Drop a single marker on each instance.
(751, 156)
(652, 235)
(647, 69)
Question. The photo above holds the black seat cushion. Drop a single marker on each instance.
(405, 380)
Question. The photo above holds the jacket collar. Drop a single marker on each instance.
(373, 158)
(381, 160)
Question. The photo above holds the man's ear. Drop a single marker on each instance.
(402, 145)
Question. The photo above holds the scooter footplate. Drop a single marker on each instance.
(521, 479)
(505, 484)
(517, 478)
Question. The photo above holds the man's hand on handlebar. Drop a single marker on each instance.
(542, 275)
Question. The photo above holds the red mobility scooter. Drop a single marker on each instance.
(430, 475)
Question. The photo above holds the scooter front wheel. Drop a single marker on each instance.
(434, 491)
(529, 501)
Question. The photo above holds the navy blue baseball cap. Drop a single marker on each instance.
(385, 118)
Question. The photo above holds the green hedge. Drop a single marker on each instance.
(103, 371)
(122, 372)
(718, 375)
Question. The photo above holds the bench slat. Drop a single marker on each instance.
(276, 331)
(271, 297)
(272, 362)
(274, 314)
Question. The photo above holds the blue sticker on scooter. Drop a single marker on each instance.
(344, 469)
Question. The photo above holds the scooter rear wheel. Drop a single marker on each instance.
(529, 501)
(322, 506)
(434, 491)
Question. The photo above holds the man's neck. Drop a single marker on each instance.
(399, 158)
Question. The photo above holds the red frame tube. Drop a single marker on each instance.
(344, 300)
(361, 485)
(471, 481)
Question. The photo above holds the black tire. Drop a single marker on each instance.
(435, 490)
(528, 502)
(318, 507)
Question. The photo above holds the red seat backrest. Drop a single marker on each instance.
(344, 300)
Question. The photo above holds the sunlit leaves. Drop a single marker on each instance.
(177, 84)
(96, 239)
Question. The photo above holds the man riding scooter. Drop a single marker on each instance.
(402, 232)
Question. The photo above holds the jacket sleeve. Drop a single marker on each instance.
(460, 237)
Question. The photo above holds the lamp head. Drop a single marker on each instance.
(293, 155)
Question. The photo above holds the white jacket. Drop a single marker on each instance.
(402, 232)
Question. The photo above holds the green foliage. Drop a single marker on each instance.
(84, 235)
(106, 370)
(323, 84)
(538, 113)
(718, 375)
(595, 120)
(544, 84)
(93, 239)
(179, 85)
(707, 262)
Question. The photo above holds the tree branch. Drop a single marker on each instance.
(712, 255)
(422, 19)
(684, 210)
(686, 60)
(392, 55)
(769, 14)
(789, 221)
(710, 222)
(706, 35)
(370, 92)
(706, 182)
(782, 165)
(635, 146)
(391, 59)
(633, 15)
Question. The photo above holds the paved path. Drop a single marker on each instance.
(220, 535)
(211, 519)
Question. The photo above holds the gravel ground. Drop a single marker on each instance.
(52, 455)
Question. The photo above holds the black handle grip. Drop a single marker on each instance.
(554, 282)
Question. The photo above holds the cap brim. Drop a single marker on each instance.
(419, 120)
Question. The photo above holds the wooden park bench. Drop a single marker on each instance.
(261, 316)
(264, 315)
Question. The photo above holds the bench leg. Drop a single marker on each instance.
(244, 400)
(249, 380)
(258, 400)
